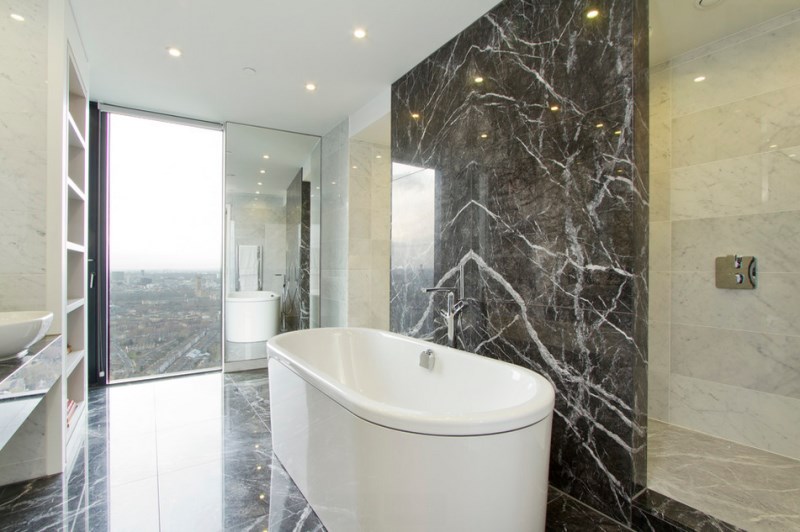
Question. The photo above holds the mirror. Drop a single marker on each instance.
(272, 235)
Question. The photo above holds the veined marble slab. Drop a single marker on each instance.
(752, 489)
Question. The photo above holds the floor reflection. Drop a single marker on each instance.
(188, 453)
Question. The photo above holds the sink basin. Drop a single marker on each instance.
(20, 329)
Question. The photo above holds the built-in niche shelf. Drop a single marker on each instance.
(75, 219)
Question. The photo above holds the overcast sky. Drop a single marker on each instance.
(165, 192)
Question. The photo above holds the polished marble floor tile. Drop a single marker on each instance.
(188, 453)
(746, 487)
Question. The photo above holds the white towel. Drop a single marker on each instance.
(248, 268)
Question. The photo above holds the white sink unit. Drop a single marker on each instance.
(21, 329)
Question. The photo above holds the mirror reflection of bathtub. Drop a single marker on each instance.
(253, 316)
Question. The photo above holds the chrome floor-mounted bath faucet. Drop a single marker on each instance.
(454, 308)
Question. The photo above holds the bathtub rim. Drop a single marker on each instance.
(496, 421)
(253, 296)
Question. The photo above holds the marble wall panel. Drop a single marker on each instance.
(297, 235)
(755, 184)
(771, 308)
(531, 183)
(758, 361)
(773, 238)
(658, 370)
(23, 165)
(735, 129)
(368, 253)
(766, 421)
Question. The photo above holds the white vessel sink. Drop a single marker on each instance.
(20, 329)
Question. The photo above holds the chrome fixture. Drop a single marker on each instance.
(427, 359)
(453, 310)
(736, 272)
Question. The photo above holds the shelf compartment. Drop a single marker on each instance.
(73, 360)
(75, 419)
(76, 221)
(74, 246)
(76, 330)
(76, 140)
(76, 167)
(75, 304)
(74, 192)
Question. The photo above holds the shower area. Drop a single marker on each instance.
(724, 339)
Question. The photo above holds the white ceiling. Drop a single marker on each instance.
(677, 26)
(289, 43)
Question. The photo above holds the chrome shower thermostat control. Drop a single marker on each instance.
(736, 272)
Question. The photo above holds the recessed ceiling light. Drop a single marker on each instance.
(174, 52)
(359, 33)
(554, 108)
(592, 13)
(773, 145)
(266, 156)
(333, 182)
(379, 156)
(311, 87)
(698, 79)
(415, 115)
(258, 192)
(262, 171)
(618, 132)
(260, 183)
(250, 71)
(18, 18)
(355, 167)
(478, 79)
(484, 135)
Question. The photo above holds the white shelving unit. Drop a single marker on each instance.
(75, 178)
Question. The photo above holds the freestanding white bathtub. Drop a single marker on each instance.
(378, 443)
(252, 316)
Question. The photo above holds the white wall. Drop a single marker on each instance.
(23, 155)
(725, 179)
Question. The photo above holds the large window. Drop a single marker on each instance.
(165, 231)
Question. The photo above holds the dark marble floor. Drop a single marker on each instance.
(188, 453)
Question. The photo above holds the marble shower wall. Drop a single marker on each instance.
(296, 307)
(528, 180)
(368, 241)
(23, 160)
(724, 168)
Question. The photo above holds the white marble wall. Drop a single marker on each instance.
(335, 230)
(725, 179)
(23, 145)
(368, 245)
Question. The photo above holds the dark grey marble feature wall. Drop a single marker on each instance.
(297, 293)
(518, 154)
